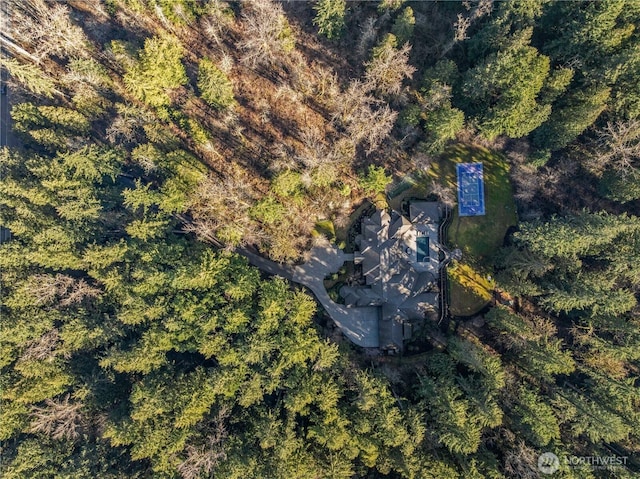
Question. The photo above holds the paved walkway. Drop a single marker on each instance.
(268, 266)
(360, 325)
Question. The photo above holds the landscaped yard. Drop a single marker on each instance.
(479, 237)
(470, 289)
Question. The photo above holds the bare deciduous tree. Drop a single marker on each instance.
(460, 28)
(482, 8)
(350, 101)
(59, 419)
(267, 34)
(126, 126)
(368, 34)
(316, 152)
(61, 290)
(526, 181)
(289, 239)
(202, 460)
(85, 72)
(45, 29)
(463, 23)
(325, 82)
(617, 145)
(221, 209)
(218, 18)
(422, 161)
(521, 462)
(377, 127)
(42, 348)
(366, 119)
(388, 69)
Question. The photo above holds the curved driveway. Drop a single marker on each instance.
(360, 325)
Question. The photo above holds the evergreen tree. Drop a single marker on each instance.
(502, 90)
(572, 236)
(574, 113)
(375, 180)
(593, 419)
(158, 70)
(330, 17)
(620, 187)
(536, 418)
(442, 125)
(128, 349)
(506, 18)
(215, 87)
(596, 35)
(404, 25)
(54, 127)
(30, 76)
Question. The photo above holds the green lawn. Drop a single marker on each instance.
(478, 237)
(469, 289)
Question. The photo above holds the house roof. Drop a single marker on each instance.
(360, 296)
(394, 279)
(399, 226)
(427, 212)
(391, 327)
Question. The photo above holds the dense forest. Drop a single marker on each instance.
(150, 139)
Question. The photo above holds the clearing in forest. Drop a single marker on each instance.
(478, 237)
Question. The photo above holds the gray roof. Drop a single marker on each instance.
(395, 281)
(391, 328)
(415, 307)
(371, 264)
(399, 226)
(424, 281)
(360, 296)
(424, 212)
